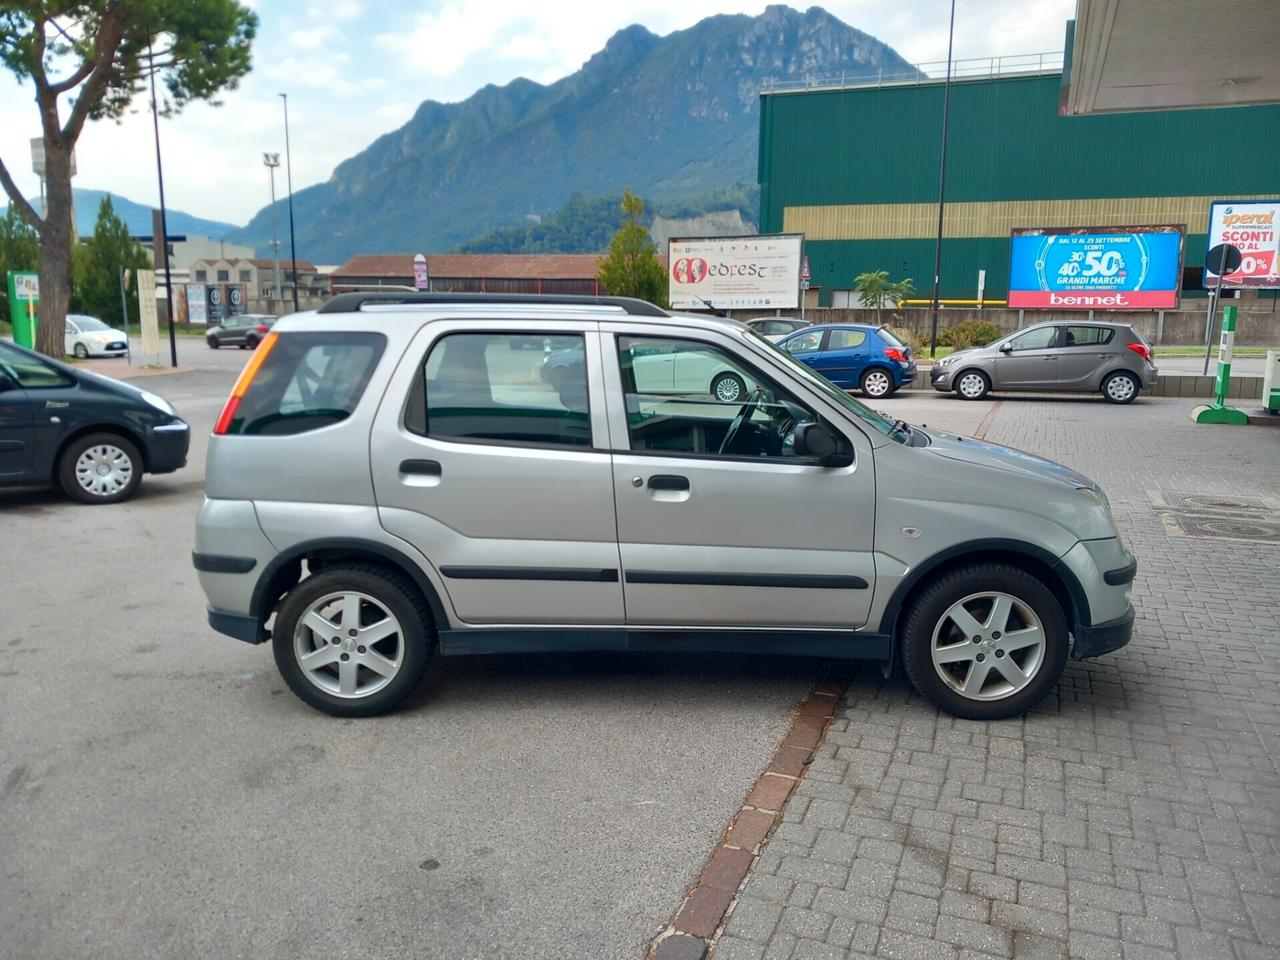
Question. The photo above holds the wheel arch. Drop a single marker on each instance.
(1035, 560)
(119, 429)
(284, 572)
(1137, 380)
(955, 377)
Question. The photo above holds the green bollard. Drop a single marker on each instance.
(1218, 411)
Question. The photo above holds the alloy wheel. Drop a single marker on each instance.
(349, 645)
(988, 646)
(728, 390)
(876, 383)
(103, 470)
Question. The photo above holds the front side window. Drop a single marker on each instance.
(688, 397)
(805, 343)
(31, 372)
(481, 387)
(1041, 338)
(1087, 336)
(307, 381)
(846, 339)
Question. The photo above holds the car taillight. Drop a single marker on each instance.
(242, 384)
(262, 328)
(1141, 349)
(893, 353)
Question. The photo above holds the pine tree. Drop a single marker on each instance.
(19, 250)
(96, 266)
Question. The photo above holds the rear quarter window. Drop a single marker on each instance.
(308, 381)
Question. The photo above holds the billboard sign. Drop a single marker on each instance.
(735, 273)
(1253, 226)
(237, 300)
(216, 307)
(197, 314)
(1096, 268)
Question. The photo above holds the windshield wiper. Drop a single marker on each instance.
(903, 427)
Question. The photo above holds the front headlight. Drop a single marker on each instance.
(945, 361)
(160, 403)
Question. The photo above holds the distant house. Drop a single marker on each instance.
(259, 276)
(569, 273)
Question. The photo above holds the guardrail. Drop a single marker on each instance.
(934, 71)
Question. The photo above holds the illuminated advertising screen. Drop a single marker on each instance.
(1096, 268)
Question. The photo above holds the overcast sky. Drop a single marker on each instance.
(355, 69)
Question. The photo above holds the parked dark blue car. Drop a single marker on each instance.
(854, 356)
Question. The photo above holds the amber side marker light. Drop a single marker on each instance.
(243, 383)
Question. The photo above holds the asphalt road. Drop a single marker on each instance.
(164, 795)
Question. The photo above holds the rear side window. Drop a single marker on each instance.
(307, 381)
(888, 337)
(486, 387)
(1087, 336)
(846, 339)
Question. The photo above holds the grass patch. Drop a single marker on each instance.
(1199, 351)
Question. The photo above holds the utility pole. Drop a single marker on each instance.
(163, 246)
(942, 188)
(272, 160)
(288, 170)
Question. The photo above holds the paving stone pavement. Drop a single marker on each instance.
(1134, 815)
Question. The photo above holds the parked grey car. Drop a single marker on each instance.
(244, 330)
(1111, 358)
(467, 506)
(775, 328)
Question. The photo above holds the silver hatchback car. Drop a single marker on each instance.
(1087, 357)
(391, 478)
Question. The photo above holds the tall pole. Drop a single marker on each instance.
(942, 188)
(272, 160)
(164, 222)
(288, 169)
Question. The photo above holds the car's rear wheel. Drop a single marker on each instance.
(251, 342)
(728, 388)
(100, 468)
(81, 351)
(353, 641)
(212, 341)
(973, 385)
(1120, 388)
(985, 641)
(876, 383)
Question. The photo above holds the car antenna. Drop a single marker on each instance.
(710, 306)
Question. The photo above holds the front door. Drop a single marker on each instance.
(1031, 362)
(496, 466)
(719, 522)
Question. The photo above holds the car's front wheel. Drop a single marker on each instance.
(353, 640)
(973, 385)
(212, 341)
(81, 351)
(728, 388)
(100, 468)
(985, 641)
(876, 383)
(1120, 388)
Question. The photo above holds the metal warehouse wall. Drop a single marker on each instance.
(856, 171)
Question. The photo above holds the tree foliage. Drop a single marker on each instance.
(632, 268)
(875, 289)
(19, 250)
(96, 266)
(101, 54)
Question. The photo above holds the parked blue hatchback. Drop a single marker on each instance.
(854, 356)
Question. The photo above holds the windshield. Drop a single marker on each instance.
(88, 323)
(877, 421)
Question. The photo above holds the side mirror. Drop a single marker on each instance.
(1006, 348)
(813, 441)
(6, 382)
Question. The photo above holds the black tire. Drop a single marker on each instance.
(391, 589)
(242, 346)
(723, 382)
(251, 343)
(212, 341)
(873, 392)
(81, 351)
(927, 611)
(67, 468)
(985, 380)
(1114, 391)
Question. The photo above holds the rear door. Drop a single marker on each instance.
(843, 357)
(1031, 362)
(502, 477)
(1085, 356)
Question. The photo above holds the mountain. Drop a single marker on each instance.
(669, 117)
(137, 216)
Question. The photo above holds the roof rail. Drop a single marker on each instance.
(352, 302)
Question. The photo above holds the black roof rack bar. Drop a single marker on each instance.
(352, 302)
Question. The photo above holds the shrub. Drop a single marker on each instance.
(969, 333)
(912, 340)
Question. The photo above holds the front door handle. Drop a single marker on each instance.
(421, 468)
(668, 481)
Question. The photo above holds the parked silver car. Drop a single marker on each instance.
(465, 505)
(1111, 358)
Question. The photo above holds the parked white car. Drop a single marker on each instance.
(676, 367)
(89, 337)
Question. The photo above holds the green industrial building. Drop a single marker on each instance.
(855, 168)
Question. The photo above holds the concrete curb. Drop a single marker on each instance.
(1167, 385)
(701, 916)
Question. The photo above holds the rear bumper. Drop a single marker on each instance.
(906, 374)
(1103, 637)
(237, 626)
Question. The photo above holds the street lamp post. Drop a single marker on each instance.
(942, 188)
(163, 245)
(288, 169)
(272, 160)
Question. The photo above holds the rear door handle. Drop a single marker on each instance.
(668, 481)
(421, 468)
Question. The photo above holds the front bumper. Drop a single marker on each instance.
(940, 378)
(1103, 637)
(167, 445)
